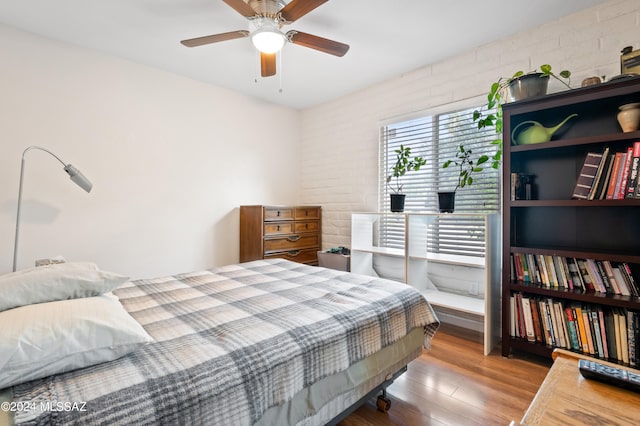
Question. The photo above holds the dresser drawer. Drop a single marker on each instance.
(311, 226)
(278, 228)
(291, 242)
(276, 213)
(302, 213)
(309, 256)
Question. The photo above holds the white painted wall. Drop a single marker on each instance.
(171, 159)
(340, 138)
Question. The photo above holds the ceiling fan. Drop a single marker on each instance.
(266, 18)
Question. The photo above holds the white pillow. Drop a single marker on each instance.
(55, 282)
(49, 338)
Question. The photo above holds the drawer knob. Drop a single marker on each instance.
(293, 253)
(293, 238)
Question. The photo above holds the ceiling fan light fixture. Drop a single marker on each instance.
(266, 36)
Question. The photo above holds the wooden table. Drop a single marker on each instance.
(566, 398)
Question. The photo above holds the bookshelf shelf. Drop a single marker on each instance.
(575, 203)
(553, 224)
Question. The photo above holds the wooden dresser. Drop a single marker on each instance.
(288, 232)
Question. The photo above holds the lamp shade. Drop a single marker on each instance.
(78, 178)
(266, 35)
(268, 41)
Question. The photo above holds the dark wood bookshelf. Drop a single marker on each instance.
(553, 223)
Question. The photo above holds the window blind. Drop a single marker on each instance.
(437, 138)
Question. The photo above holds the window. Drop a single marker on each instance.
(436, 137)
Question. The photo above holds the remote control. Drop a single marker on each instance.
(612, 375)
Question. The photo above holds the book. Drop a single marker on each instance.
(572, 263)
(586, 278)
(551, 270)
(555, 321)
(566, 272)
(595, 326)
(622, 317)
(634, 290)
(614, 173)
(595, 276)
(587, 175)
(528, 320)
(534, 265)
(635, 169)
(583, 331)
(512, 310)
(616, 189)
(572, 328)
(543, 270)
(596, 181)
(626, 170)
(622, 283)
(562, 324)
(616, 323)
(608, 270)
(557, 264)
(603, 331)
(586, 319)
(628, 279)
(546, 334)
(606, 175)
(537, 326)
(611, 334)
(549, 324)
(631, 338)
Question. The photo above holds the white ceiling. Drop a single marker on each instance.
(387, 38)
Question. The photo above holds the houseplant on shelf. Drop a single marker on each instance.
(404, 163)
(520, 86)
(467, 166)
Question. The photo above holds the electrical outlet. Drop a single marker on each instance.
(473, 289)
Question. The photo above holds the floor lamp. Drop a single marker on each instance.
(75, 175)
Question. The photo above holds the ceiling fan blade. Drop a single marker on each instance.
(241, 7)
(268, 64)
(318, 43)
(296, 9)
(199, 41)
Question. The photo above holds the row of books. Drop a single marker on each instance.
(607, 333)
(609, 175)
(570, 273)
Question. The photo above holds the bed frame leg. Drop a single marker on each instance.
(383, 403)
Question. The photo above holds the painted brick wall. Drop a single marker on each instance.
(339, 168)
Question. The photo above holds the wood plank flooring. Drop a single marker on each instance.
(454, 384)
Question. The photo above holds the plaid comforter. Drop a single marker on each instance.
(232, 342)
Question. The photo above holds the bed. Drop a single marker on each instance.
(269, 342)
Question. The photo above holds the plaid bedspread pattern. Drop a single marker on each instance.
(232, 342)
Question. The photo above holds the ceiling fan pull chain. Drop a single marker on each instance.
(257, 69)
(281, 70)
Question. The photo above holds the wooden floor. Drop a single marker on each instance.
(454, 384)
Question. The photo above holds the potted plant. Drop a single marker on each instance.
(467, 166)
(520, 85)
(404, 163)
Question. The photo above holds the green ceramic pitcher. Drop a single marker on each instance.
(536, 133)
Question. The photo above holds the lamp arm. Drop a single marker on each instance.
(41, 149)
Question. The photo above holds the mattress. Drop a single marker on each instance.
(241, 344)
